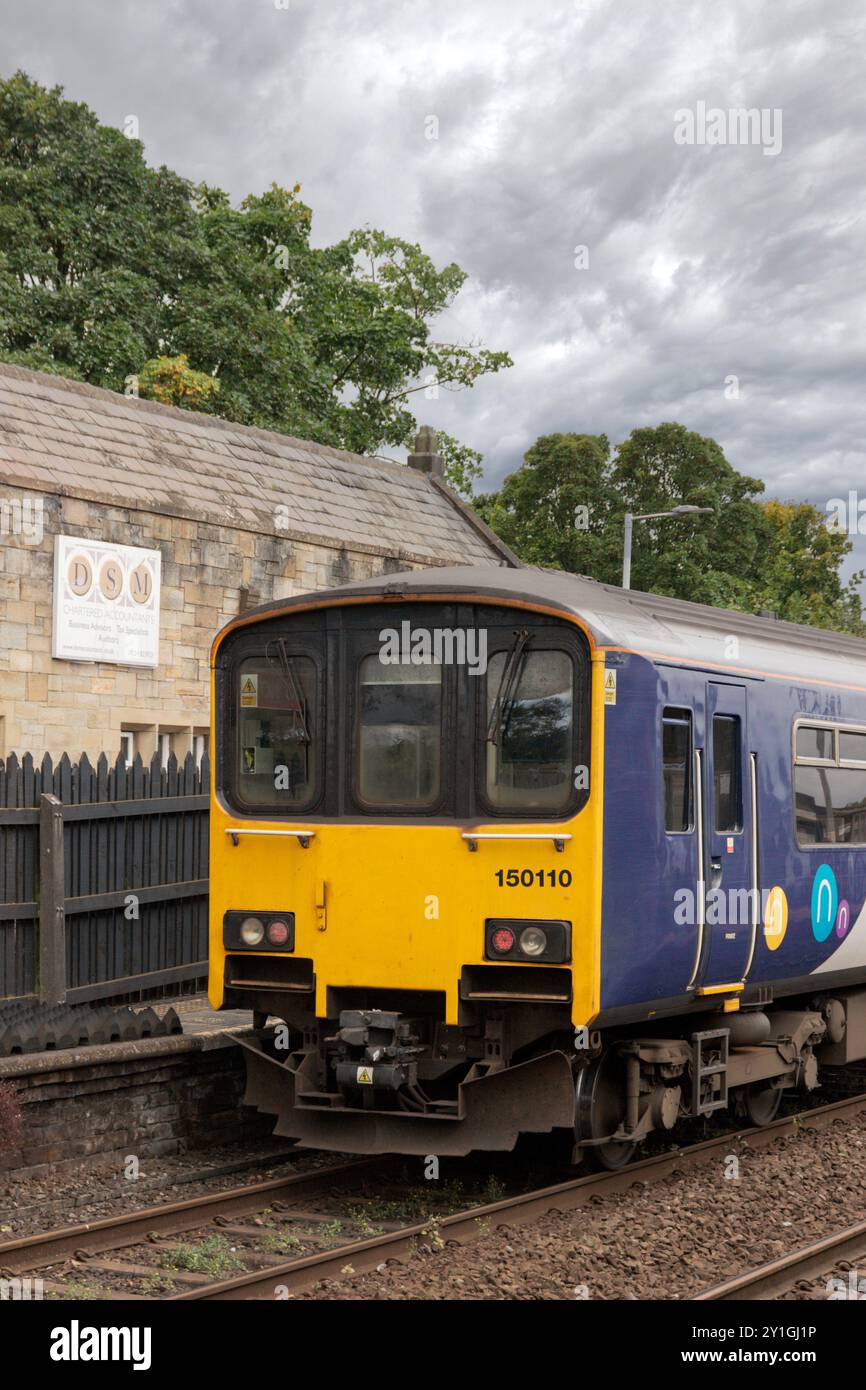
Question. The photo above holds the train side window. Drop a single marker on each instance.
(816, 744)
(830, 805)
(830, 785)
(677, 769)
(400, 734)
(852, 747)
(726, 773)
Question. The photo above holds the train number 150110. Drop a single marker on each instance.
(527, 878)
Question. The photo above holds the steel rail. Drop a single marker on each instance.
(368, 1254)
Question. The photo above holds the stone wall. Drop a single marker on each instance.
(209, 573)
(159, 1097)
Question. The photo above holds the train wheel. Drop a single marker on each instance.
(600, 1110)
(761, 1103)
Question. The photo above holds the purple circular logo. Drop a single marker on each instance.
(843, 918)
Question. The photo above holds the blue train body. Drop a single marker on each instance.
(651, 873)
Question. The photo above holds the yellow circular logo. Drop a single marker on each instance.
(775, 918)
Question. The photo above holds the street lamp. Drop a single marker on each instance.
(683, 510)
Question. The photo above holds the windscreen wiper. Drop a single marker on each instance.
(507, 686)
(293, 686)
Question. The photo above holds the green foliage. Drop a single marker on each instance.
(800, 575)
(555, 510)
(171, 381)
(213, 1255)
(564, 508)
(111, 269)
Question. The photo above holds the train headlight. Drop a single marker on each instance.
(528, 940)
(533, 941)
(252, 931)
(258, 931)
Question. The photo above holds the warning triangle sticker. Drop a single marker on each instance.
(364, 1077)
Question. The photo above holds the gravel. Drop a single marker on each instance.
(667, 1240)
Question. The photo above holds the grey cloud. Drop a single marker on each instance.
(555, 128)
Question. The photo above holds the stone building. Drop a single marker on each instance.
(130, 532)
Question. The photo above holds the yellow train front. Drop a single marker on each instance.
(405, 859)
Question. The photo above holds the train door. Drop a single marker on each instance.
(728, 841)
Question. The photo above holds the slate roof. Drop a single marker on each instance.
(65, 437)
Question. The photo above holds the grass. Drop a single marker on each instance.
(281, 1242)
(330, 1232)
(212, 1256)
(77, 1289)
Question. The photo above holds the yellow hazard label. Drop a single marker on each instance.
(364, 1076)
(610, 687)
(250, 690)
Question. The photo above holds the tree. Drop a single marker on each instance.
(171, 381)
(750, 555)
(799, 574)
(555, 510)
(704, 558)
(110, 270)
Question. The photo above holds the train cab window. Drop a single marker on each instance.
(677, 769)
(726, 773)
(830, 785)
(277, 751)
(400, 734)
(529, 720)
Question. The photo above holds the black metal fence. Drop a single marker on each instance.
(103, 878)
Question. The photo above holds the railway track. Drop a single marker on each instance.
(797, 1269)
(222, 1217)
(87, 1242)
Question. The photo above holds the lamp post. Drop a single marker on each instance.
(683, 510)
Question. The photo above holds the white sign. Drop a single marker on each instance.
(106, 602)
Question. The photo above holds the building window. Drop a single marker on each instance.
(199, 747)
(677, 769)
(127, 746)
(830, 785)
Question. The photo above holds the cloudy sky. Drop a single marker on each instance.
(555, 126)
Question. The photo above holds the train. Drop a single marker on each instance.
(499, 852)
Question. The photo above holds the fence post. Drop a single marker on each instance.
(52, 918)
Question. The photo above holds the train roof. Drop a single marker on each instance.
(665, 629)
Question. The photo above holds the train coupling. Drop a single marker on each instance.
(375, 1047)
